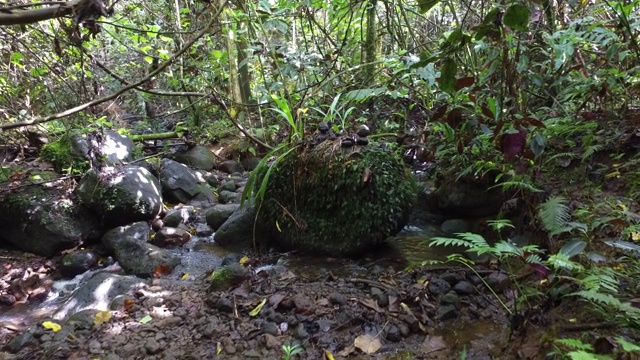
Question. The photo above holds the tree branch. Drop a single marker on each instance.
(69, 112)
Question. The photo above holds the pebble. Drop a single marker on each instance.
(464, 288)
(152, 347)
(438, 287)
(337, 299)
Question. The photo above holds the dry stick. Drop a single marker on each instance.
(114, 95)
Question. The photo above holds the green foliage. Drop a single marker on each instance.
(62, 156)
(554, 214)
(290, 351)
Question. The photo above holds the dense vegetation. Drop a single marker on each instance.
(539, 98)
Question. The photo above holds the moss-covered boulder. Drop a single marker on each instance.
(337, 201)
(69, 151)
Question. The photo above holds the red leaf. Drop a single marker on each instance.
(161, 270)
(540, 270)
(465, 82)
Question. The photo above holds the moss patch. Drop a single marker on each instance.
(61, 155)
(337, 201)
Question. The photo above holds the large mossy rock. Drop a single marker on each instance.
(337, 201)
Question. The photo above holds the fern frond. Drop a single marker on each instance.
(473, 242)
(574, 344)
(554, 214)
(517, 185)
(599, 298)
(590, 150)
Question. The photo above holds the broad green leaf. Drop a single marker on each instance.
(517, 17)
(426, 5)
(448, 75)
(573, 247)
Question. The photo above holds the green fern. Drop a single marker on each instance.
(554, 214)
(517, 185)
(469, 240)
(599, 298)
(590, 150)
(575, 344)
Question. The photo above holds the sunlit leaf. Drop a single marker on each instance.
(146, 319)
(257, 309)
(244, 260)
(328, 355)
(426, 5)
(185, 276)
(101, 317)
(50, 325)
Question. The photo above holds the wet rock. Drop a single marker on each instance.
(404, 330)
(78, 262)
(237, 232)
(251, 354)
(182, 185)
(363, 131)
(128, 350)
(94, 295)
(122, 195)
(230, 166)
(218, 214)
(450, 298)
(498, 281)
(198, 157)
(228, 185)
(230, 275)
(455, 226)
(362, 140)
(23, 340)
(229, 197)
(446, 312)
(171, 237)
(464, 288)
(134, 254)
(411, 322)
(179, 215)
(438, 286)
(95, 347)
(393, 334)
(157, 224)
(212, 179)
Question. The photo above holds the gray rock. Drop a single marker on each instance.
(250, 162)
(498, 281)
(181, 184)
(270, 328)
(179, 215)
(198, 157)
(116, 148)
(228, 185)
(230, 166)
(451, 277)
(218, 214)
(363, 130)
(450, 298)
(337, 298)
(393, 334)
(455, 226)
(25, 339)
(469, 199)
(237, 232)
(40, 224)
(379, 296)
(134, 254)
(212, 179)
(224, 305)
(300, 332)
(438, 286)
(464, 288)
(446, 312)
(121, 195)
(78, 262)
(96, 294)
(229, 197)
(169, 236)
(152, 347)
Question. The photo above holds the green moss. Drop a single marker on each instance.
(61, 155)
(338, 201)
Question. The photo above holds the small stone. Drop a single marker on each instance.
(446, 312)
(451, 298)
(300, 332)
(152, 347)
(347, 142)
(362, 141)
(228, 185)
(379, 296)
(498, 281)
(438, 287)
(270, 328)
(224, 305)
(337, 298)
(78, 262)
(404, 330)
(451, 277)
(251, 353)
(170, 236)
(363, 130)
(411, 322)
(112, 357)
(7, 299)
(95, 347)
(127, 351)
(393, 334)
(230, 349)
(323, 127)
(464, 288)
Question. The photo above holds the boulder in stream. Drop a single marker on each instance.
(182, 185)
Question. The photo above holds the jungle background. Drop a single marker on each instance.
(539, 99)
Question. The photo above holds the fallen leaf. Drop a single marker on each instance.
(161, 270)
(276, 299)
(128, 304)
(50, 325)
(218, 348)
(101, 317)
(257, 309)
(185, 276)
(328, 355)
(433, 343)
(146, 319)
(367, 343)
(244, 260)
